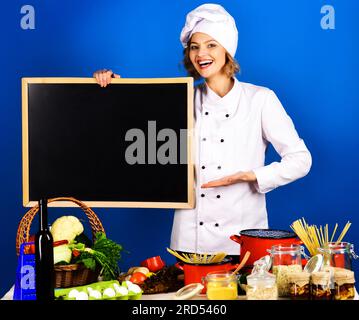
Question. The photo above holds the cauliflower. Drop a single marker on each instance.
(62, 253)
(66, 228)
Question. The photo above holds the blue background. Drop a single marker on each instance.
(281, 46)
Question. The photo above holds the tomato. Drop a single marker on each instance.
(76, 253)
(30, 249)
(138, 278)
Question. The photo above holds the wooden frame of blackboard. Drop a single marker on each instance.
(110, 204)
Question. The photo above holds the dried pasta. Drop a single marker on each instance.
(314, 237)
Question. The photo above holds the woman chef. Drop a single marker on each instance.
(234, 123)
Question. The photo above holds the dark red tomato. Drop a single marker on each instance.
(30, 249)
(76, 253)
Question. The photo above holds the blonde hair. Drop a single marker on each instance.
(230, 68)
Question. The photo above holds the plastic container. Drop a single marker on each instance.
(320, 285)
(221, 286)
(344, 285)
(285, 260)
(299, 285)
(261, 285)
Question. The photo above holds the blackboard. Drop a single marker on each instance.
(108, 147)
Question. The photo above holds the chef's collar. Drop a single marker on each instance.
(229, 103)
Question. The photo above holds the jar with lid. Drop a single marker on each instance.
(338, 255)
(285, 260)
(344, 284)
(320, 285)
(261, 285)
(221, 285)
(299, 285)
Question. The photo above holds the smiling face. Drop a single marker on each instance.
(207, 55)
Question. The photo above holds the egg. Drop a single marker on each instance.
(95, 294)
(128, 283)
(134, 288)
(73, 293)
(82, 296)
(109, 292)
(121, 290)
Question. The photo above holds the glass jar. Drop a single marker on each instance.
(285, 260)
(299, 285)
(221, 285)
(338, 255)
(261, 285)
(344, 284)
(320, 286)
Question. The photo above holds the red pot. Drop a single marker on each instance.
(257, 241)
(195, 273)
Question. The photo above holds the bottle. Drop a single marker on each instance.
(44, 257)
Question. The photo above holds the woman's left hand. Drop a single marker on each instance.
(232, 179)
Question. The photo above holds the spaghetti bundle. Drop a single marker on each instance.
(314, 237)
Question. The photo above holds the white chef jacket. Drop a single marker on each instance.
(232, 134)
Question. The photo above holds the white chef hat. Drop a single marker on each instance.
(214, 20)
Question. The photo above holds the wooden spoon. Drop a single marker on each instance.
(243, 262)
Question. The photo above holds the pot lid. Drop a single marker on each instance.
(268, 233)
(188, 291)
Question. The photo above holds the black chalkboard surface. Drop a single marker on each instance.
(126, 145)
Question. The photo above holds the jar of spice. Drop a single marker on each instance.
(299, 285)
(344, 285)
(285, 260)
(261, 285)
(320, 286)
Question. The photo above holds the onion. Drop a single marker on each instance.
(143, 270)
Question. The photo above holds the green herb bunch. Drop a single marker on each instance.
(104, 254)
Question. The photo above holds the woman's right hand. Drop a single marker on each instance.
(104, 76)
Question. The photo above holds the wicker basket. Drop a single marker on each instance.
(65, 275)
